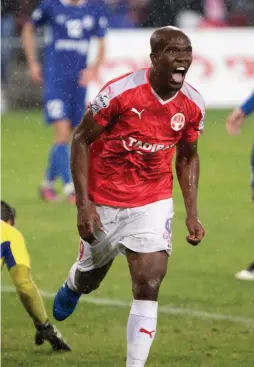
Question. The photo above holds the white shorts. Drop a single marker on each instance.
(143, 229)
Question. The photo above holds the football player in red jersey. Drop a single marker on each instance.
(121, 164)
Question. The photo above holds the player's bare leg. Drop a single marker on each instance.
(147, 272)
(78, 283)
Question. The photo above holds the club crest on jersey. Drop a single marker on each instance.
(177, 121)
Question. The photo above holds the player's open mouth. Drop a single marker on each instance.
(178, 74)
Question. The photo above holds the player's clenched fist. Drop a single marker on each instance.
(196, 231)
(87, 217)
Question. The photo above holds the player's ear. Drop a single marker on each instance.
(153, 58)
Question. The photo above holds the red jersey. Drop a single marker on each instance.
(131, 162)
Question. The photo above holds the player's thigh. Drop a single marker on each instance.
(92, 265)
(94, 260)
(147, 272)
(106, 246)
(78, 105)
(147, 242)
(97, 255)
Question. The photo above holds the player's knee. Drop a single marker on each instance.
(88, 281)
(62, 132)
(62, 139)
(146, 288)
(88, 286)
(24, 287)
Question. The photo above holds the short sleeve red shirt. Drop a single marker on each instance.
(131, 162)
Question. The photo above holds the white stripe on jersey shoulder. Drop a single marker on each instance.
(193, 95)
(116, 88)
(130, 81)
(196, 97)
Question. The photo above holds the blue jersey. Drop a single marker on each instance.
(69, 29)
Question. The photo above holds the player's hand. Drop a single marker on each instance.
(196, 231)
(234, 121)
(87, 219)
(36, 73)
(87, 75)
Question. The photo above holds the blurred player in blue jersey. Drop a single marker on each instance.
(234, 123)
(70, 25)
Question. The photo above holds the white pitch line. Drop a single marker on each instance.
(163, 309)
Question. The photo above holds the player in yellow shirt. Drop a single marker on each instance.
(14, 254)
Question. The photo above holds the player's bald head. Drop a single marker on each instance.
(171, 57)
(162, 36)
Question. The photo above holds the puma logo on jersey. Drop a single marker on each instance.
(136, 111)
(143, 146)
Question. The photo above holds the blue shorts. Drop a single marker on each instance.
(64, 101)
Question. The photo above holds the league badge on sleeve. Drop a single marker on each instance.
(102, 100)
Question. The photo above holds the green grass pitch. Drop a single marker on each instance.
(198, 279)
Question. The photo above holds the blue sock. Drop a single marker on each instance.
(252, 168)
(51, 172)
(63, 163)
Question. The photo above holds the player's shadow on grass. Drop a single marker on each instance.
(48, 352)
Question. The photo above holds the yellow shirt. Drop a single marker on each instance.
(13, 247)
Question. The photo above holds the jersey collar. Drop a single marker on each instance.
(155, 94)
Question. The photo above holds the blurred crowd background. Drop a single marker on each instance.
(122, 14)
(152, 13)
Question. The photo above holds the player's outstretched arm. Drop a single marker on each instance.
(101, 44)
(236, 118)
(187, 168)
(85, 134)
